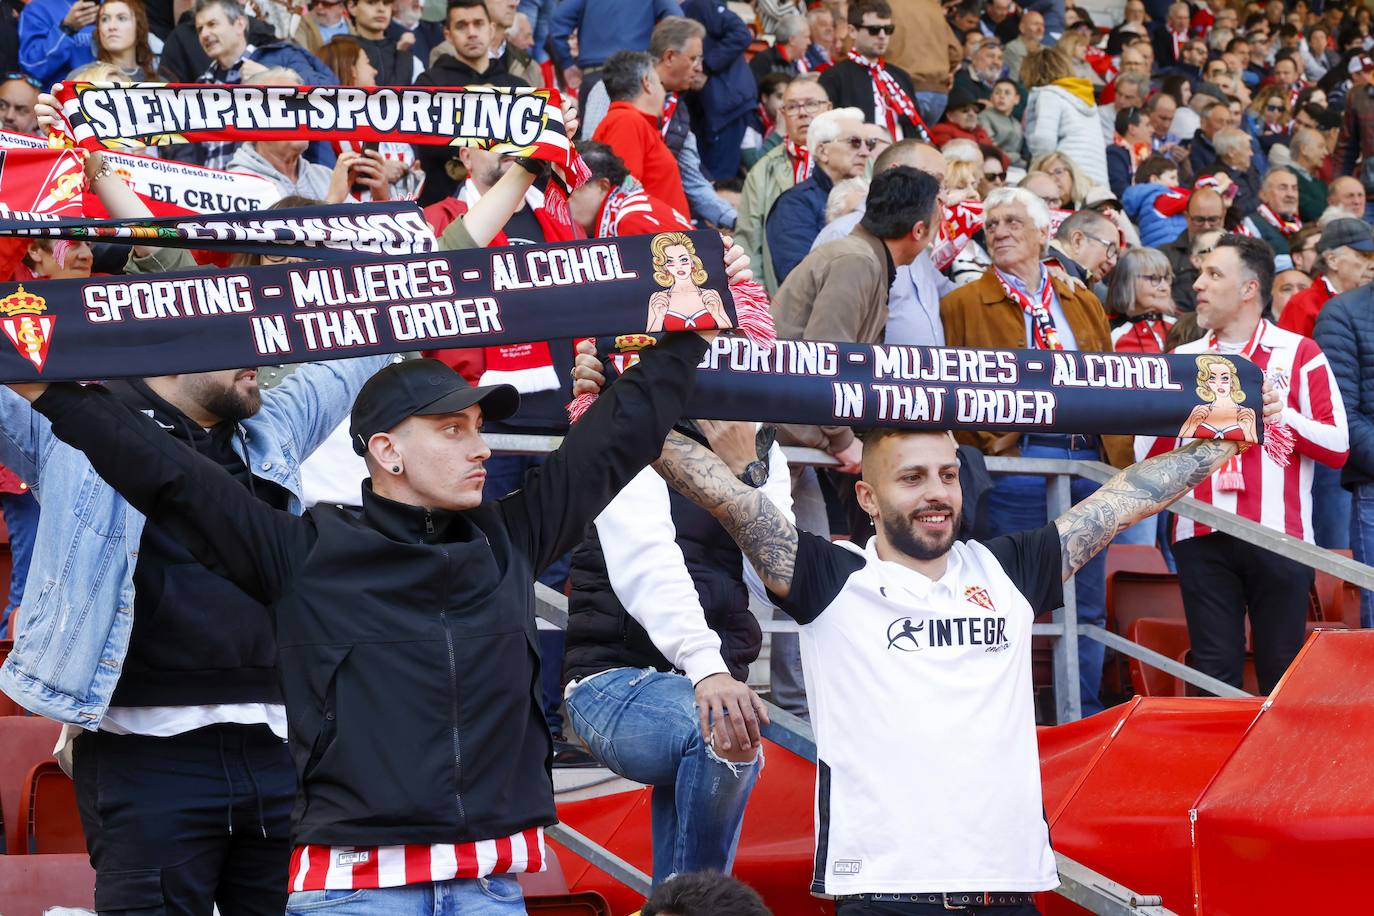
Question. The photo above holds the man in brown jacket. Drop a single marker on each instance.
(925, 47)
(839, 291)
(1017, 303)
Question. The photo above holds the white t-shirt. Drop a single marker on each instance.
(928, 778)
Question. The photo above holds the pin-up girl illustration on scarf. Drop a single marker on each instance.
(1221, 417)
(683, 305)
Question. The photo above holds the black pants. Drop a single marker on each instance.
(1223, 577)
(178, 825)
(885, 908)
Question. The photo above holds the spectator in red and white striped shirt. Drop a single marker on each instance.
(1223, 576)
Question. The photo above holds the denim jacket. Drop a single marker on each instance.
(77, 613)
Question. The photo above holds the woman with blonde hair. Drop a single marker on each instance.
(1061, 114)
(683, 305)
(961, 182)
(1074, 185)
(1220, 416)
(1075, 44)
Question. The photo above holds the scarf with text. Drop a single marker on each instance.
(321, 231)
(526, 123)
(113, 327)
(191, 322)
(894, 99)
(1043, 332)
(166, 186)
(920, 387)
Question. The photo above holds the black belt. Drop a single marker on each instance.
(1072, 443)
(953, 901)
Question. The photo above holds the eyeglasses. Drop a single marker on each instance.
(10, 77)
(876, 30)
(856, 143)
(1059, 171)
(808, 107)
(1156, 279)
(1112, 248)
(1276, 109)
(995, 177)
(1205, 220)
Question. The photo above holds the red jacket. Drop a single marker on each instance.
(635, 138)
(1300, 314)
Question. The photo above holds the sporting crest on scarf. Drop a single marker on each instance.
(23, 320)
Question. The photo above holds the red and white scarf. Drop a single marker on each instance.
(1043, 333)
(894, 100)
(1178, 39)
(800, 158)
(669, 109)
(1285, 225)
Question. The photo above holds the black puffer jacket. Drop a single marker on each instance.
(1345, 332)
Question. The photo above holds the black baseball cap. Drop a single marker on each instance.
(421, 387)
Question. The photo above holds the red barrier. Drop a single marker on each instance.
(1287, 824)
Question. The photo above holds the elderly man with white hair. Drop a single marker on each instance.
(839, 150)
(1018, 303)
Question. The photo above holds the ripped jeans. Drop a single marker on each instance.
(643, 724)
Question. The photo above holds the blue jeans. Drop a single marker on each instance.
(931, 105)
(1330, 508)
(643, 724)
(492, 896)
(1017, 503)
(1362, 542)
(21, 518)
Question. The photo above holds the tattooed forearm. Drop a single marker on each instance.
(762, 532)
(1136, 493)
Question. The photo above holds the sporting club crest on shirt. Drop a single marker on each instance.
(26, 326)
(979, 596)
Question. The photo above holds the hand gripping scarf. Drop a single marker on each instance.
(641, 286)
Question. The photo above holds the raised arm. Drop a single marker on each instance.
(228, 529)
(762, 531)
(1138, 492)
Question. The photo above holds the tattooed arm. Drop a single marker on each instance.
(1138, 492)
(760, 529)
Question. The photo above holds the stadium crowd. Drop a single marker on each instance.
(1144, 177)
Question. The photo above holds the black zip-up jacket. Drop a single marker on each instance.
(406, 636)
(197, 638)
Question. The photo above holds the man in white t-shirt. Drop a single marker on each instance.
(917, 652)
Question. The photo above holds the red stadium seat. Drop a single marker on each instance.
(7, 706)
(48, 809)
(1131, 595)
(1140, 558)
(1331, 597)
(24, 741)
(30, 885)
(587, 903)
(1166, 636)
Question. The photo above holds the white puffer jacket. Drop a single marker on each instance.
(1057, 120)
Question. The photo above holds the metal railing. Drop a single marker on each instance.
(1078, 883)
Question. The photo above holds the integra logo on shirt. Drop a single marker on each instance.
(907, 636)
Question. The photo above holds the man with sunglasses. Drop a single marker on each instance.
(882, 92)
(838, 151)
(18, 95)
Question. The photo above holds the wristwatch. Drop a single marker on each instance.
(755, 474)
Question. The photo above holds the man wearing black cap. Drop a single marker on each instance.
(405, 629)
